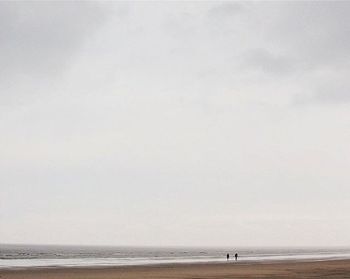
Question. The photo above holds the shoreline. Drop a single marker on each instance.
(174, 264)
(335, 268)
(170, 264)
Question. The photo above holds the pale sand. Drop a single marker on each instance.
(325, 269)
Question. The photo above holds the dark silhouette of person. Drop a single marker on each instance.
(236, 256)
(227, 256)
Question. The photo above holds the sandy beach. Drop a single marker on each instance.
(320, 269)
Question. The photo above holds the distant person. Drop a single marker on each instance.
(228, 256)
(236, 256)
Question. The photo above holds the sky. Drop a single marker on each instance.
(175, 123)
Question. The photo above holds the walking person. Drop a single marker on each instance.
(228, 256)
(236, 256)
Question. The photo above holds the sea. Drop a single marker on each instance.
(35, 256)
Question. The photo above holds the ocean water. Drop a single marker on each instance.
(24, 256)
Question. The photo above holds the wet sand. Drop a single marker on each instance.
(321, 269)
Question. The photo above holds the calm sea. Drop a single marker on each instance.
(21, 256)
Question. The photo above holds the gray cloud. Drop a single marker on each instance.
(39, 38)
(226, 9)
(315, 31)
(266, 62)
(38, 43)
(330, 94)
(339, 96)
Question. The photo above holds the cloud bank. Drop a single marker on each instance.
(175, 123)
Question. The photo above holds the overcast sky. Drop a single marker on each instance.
(201, 123)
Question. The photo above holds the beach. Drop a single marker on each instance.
(286, 269)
